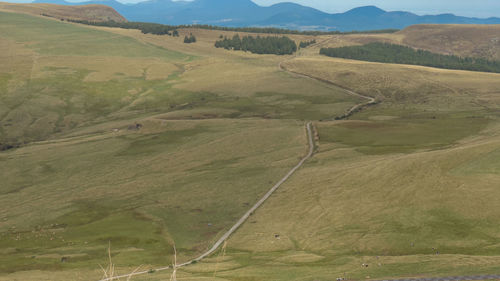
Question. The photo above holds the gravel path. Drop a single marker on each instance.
(241, 220)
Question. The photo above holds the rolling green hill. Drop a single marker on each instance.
(141, 142)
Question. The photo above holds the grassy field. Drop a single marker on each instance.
(143, 191)
(71, 96)
(408, 186)
(395, 212)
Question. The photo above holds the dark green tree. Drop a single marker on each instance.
(259, 45)
(161, 29)
(189, 39)
(391, 53)
(305, 44)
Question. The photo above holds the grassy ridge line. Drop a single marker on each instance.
(242, 219)
(92, 12)
(392, 53)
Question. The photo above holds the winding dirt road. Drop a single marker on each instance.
(273, 189)
(242, 219)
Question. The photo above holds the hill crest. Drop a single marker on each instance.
(90, 12)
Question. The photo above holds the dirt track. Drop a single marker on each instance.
(348, 113)
(271, 191)
(242, 219)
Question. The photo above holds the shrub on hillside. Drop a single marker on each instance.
(189, 39)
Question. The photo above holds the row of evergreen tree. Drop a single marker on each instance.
(391, 53)
(273, 30)
(144, 27)
(259, 45)
(163, 29)
(305, 44)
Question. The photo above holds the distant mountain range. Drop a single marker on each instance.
(242, 13)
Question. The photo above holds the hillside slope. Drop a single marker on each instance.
(138, 140)
(462, 40)
(90, 12)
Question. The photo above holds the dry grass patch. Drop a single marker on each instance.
(456, 39)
